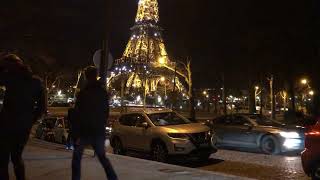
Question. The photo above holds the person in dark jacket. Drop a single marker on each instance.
(92, 110)
(24, 103)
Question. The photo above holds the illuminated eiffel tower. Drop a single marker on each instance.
(146, 45)
(143, 62)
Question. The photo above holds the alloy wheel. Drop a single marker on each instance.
(159, 153)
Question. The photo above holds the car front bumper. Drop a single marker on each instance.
(291, 144)
(186, 147)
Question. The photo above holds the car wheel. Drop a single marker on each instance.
(159, 152)
(204, 157)
(315, 174)
(117, 147)
(270, 145)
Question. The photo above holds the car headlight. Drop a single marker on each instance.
(178, 135)
(290, 135)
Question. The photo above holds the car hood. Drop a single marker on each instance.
(186, 128)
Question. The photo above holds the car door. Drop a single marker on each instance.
(221, 128)
(126, 129)
(242, 133)
(141, 135)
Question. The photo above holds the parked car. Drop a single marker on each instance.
(257, 132)
(61, 130)
(44, 129)
(162, 133)
(311, 155)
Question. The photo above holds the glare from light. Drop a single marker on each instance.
(292, 143)
(162, 60)
(162, 79)
(290, 135)
(59, 93)
(304, 81)
(138, 98)
(311, 93)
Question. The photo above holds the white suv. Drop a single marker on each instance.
(162, 133)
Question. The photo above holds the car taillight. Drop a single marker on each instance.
(310, 137)
(312, 133)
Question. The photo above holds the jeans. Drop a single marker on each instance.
(98, 145)
(14, 150)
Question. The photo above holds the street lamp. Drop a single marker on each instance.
(311, 93)
(162, 79)
(256, 93)
(204, 92)
(304, 81)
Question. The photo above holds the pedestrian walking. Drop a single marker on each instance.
(24, 104)
(92, 109)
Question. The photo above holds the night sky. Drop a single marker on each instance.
(241, 39)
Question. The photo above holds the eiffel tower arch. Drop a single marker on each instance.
(140, 71)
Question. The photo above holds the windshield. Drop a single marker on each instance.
(167, 119)
(263, 120)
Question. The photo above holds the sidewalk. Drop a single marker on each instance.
(46, 161)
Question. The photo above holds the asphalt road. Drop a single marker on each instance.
(254, 165)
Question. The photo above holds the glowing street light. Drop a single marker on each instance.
(304, 81)
(311, 93)
(162, 79)
(256, 96)
(204, 92)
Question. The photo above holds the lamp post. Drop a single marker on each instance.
(307, 91)
(257, 91)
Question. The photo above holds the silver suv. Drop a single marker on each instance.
(162, 133)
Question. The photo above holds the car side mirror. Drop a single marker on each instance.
(250, 126)
(145, 125)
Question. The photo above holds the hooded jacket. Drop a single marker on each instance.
(92, 109)
(24, 100)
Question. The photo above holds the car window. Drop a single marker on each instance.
(225, 120)
(128, 120)
(263, 120)
(140, 120)
(167, 119)
(239, 120)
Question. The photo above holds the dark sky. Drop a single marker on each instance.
(246, 38)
